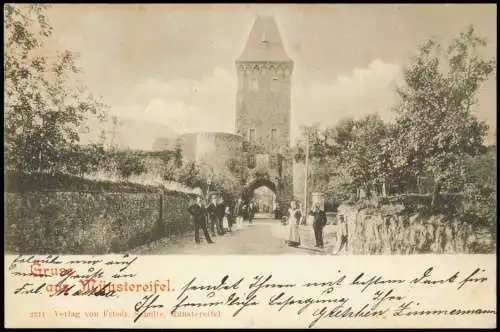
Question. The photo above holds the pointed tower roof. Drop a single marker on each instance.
(264, 42)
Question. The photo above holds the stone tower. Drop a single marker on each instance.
(263, 105)
(264, 87)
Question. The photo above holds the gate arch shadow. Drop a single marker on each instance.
(257, 183)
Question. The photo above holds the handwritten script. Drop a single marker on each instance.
(329, 299)
(56, 276)
(351, 294)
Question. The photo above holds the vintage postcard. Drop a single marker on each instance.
(250, 166)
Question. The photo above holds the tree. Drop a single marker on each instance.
(238, 170)
(362, 151)
(172, 161)
(178, 156)
(225, 181)
(128, 164)
(115, 123)
(338, 138)
(340, 186)
(320, 143)
(436, 129)
(43, 110)
(190, 175)
(353, 154)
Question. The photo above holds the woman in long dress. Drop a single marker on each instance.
(225, 220)
(294, 216)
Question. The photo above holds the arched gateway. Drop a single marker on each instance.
(248, 190)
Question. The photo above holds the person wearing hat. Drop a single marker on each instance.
(318, 224)
(199, 217)
(220, 210)
(343, 232)
(251, 211)
(212, 215)
(276, 210)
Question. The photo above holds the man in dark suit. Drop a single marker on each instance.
(212, 215)
(251, 211)
(276, 210)
(244, 211)
(318, 224)
(199, 217)
(220, 211)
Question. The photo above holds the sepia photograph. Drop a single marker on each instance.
(238, 129)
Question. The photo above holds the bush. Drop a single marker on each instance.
(190, 175)
(128, 165)
(479, 187)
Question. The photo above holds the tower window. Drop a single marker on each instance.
(251, 135)
(273, 134)
(251, 161)
(254, 84)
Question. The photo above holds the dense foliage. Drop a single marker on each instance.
(435, 135)
(436, 129)
(44, 110)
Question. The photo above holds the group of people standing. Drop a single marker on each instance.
(217, 219)
(318, 219)
(294, 218)
(245, 211)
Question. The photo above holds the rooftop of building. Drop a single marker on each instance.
(264, 42)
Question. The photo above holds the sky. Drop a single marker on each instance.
(173, 65)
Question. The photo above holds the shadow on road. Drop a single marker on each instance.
(262, 237)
